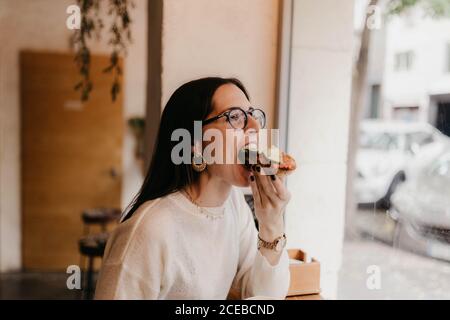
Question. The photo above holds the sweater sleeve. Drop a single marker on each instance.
(118, 282)
(133, 265)
(256, 276)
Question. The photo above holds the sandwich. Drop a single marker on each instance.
(272, 161)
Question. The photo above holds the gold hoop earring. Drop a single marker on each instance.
(198, 167)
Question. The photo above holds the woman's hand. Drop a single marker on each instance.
(270, 198)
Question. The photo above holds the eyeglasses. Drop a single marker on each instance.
(238, 118)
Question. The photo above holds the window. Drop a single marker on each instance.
(416, 140)
(380, 141)
(441, 167)
(403, 61)
(404, 113)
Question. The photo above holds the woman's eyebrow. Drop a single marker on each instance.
(228, 109)
(236, 106)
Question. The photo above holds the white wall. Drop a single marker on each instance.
(319, 115)
(41, 25)
(228, 38)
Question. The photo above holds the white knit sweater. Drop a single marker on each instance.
(170, 250)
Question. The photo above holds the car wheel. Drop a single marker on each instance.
(385, 202)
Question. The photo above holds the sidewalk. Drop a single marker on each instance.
(404, 275)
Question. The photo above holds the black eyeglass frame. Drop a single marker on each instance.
(227, 115)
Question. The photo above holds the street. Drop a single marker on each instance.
(403, 274)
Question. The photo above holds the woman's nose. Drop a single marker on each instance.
(251, 131)
(252, 124)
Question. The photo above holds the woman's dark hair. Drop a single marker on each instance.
(190, 102)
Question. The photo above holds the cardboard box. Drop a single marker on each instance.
(305, 274)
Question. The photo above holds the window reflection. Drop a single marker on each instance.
(402, 169)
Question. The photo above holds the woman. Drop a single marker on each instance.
(189, 234)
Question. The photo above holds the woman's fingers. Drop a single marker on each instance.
(281, 190)
(265, 200)
(255, 190)
(268, 190)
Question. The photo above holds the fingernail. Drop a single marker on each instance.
(273, 177)
(252, 178)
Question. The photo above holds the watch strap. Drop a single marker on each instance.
(271, 245)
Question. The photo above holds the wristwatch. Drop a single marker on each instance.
(278, 244)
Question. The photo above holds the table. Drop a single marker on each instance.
(306, 297)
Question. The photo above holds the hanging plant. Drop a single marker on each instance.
(92, 26)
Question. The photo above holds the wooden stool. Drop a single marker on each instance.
(93, 245)
(99, 216)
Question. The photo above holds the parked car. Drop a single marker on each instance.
(421, 206)
(386, 148)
